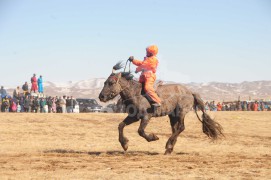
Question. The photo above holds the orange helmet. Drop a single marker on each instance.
(153, 49)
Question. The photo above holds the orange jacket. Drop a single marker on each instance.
(255, 107)
(149, 64)
(219, 107)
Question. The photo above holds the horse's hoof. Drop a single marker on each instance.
(154, 137)
(125, 144)
(168, 152)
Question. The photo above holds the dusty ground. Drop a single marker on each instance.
(85, 146)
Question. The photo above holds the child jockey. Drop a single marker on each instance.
(148, 69)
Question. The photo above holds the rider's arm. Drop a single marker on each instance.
(148, 64)
(137, 62)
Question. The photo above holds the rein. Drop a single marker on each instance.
(117, 79)
(128, 84)
(126, 66)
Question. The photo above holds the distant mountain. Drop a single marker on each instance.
(209, 91)
(86, 88)
(232, 91)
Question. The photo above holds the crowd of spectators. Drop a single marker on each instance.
(239, 106)
(29, 103)
(33, 100)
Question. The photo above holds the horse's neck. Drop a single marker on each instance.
(131, 90)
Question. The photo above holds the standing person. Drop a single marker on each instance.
(212, 106)
(40, 84)
(42, 105)
(69, 105)
(5, 104)
(35, 105)
(13, 105)
(49, 104)
(263, 106)
(16, 93)
(148, 69)
(54, 105)
(73, 103)
(255, 108)
(259, 106)
(219, 106)
(60, 105)
(31, 101)
(239, 106)
(249, 105)
(19, 107)
(25, 89)
(245, 105)
(3, 92)
(206, 106)
(27, 104)
(34, 86)
(63, 104)
(21, 103)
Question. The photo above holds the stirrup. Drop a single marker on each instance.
(156, 105)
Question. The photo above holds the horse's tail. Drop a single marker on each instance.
(211, 128)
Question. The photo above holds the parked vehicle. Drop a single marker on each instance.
(88, 105)
(110, 108)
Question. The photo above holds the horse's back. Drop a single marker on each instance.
(173, 89)
(173, 95)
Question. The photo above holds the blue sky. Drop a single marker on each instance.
(199, 41)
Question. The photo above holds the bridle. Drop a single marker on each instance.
(120, 86)
(119, 76)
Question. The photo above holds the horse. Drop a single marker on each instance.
(177, 101)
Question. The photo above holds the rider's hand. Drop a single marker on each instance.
(136, 72)
(131, 58)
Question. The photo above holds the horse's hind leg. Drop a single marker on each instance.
(177, 125)
(141, 130)
(122, 139)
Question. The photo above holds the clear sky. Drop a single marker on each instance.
(199, 41)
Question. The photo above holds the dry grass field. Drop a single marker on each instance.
(85, 146)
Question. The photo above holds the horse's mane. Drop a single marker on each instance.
(130, 78)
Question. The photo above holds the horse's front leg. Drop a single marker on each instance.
(122, 139)
(141, 130)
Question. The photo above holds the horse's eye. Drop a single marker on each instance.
(110, 83)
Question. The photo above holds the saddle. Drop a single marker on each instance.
(156, 85)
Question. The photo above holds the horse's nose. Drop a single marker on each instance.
(101, 97)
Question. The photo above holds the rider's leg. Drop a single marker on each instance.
(149, 83)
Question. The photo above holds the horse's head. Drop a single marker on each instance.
(111, 88)
(114, 84)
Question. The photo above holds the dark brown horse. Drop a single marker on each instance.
(177, 101)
